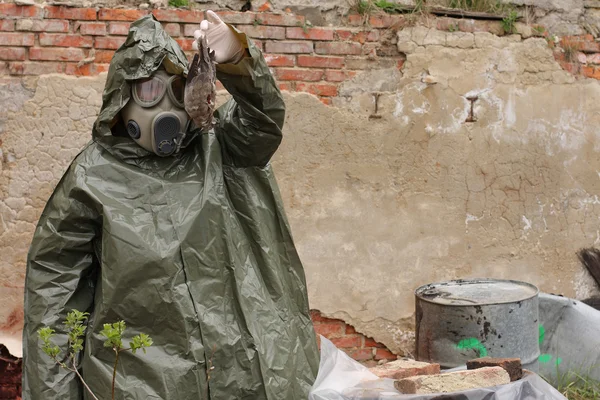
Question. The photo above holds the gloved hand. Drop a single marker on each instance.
(219, 38)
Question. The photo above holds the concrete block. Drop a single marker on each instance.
(453, 381)
(405, 368)
(511, 365)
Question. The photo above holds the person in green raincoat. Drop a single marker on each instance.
(193, 249)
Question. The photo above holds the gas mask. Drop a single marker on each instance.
(155, 116)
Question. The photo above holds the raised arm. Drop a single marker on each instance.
(249, 125)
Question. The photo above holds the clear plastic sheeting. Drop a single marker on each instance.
(342, 378)
(569, 340)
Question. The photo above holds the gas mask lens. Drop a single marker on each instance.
(149, 92)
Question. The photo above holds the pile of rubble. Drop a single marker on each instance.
(414, 377)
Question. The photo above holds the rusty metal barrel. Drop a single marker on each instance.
(459, 320)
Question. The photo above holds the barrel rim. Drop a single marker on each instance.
(476, 280)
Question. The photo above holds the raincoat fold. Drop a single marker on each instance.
(194, 250)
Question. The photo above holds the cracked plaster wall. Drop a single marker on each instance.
(389, 188)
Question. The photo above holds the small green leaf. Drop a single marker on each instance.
(140, 341)
(75, 317)
(113, 334)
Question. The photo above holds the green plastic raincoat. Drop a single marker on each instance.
(194, 250)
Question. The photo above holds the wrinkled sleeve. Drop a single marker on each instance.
(61, 266)
(249, 125)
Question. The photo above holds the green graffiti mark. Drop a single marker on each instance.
(546, 358)
(472, 343)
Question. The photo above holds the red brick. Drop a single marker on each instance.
(593, 59)
(108, 14)
(338, 48)
(185, 44)
(56, 54)
(310, 34)
(405, 368)
(385, 354)
(280, 60)
(7, 25)
(93, 28)
(85, 70)
(263, 32)
(233, 17)
(350, 330)
(13, 10)
(171, 15)
(326, 100)
(366, 63)
(289, 47)
(372, 343)
(366, 36)
(286, 86)
(35, 68)
(258, 43)
(356, 20)
(360, 354)
(386, 21)
(318, 89)
(280, 19)
(118, 28)
(320, 61)
(60, 40)
(172, 29)
(12, 53)
(591, 72)
(311, 75)
(347, 342)
(339, 76)
(446, 24)
(316, 316)
(343, 34)
(104, 56)
(112, 43)
(400, 64)
(188, 29)
(511, 365)
(470, 25)
(590, 47)
(265, 7)
(37, 25)
(61, 12)
(332, 329)
(572, 68)
(16, 39)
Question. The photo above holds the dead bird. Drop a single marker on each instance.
(590, 258)
(200, 86)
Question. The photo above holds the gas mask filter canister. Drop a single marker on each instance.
(155, 116)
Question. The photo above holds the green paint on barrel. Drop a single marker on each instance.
(472, 343)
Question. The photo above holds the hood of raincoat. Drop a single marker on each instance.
(194, 250)
(146, 49)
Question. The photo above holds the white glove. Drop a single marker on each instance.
(220, 38)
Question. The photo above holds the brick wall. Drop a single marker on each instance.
(358, 346)
(35, 40)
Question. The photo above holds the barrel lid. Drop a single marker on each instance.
(476, 292)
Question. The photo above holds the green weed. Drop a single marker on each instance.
(178, 3)
(508, 22)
